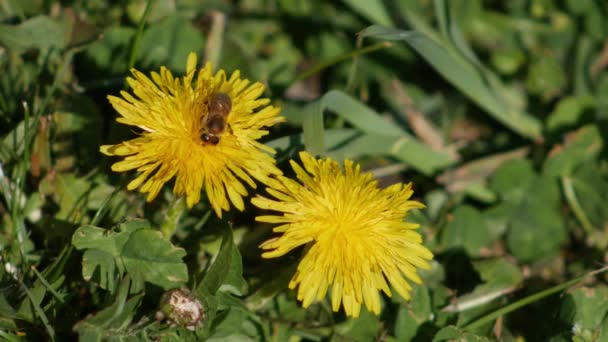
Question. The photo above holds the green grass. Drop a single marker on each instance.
(495, 110)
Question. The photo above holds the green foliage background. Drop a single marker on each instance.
(496, 110)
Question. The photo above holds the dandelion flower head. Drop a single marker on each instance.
(357, 242)
(171, 113)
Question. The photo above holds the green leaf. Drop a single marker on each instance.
(91, 237)
(485, 91)
(226, 270)
(363, 328)
(112, 321)
(586, 307)
(579, 6)
(568, 112)
(31, 303)
(110, 55)
(511, 180)
(498, 273)
(591, 191)
(40, 32)
(531, 203)
(595, 23)
(79, 119)
(143, 253)
(6, 311)
(496, 218)
(581, 146)
(508, 61)
(546, 77)
(13, 141)
(468, 230)
(154, 259)
(234, 282)
(75, 195)
(413, 315)
(95, 258)
(235, 321)
(452, 333)
(539, 231)
(373, 10)
(169, 42)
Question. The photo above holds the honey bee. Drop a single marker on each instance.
(214, 124)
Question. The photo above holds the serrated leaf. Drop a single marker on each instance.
(93, 259)
(91, 237)
(142, 252)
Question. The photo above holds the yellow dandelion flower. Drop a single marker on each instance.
(356, 240)
(173, 114)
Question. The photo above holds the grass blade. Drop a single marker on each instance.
(352, 144)
(529, 300)
(464, 76)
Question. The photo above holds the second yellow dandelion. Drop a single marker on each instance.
(356, 240)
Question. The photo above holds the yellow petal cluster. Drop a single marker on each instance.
(357, 242)
(170, 112)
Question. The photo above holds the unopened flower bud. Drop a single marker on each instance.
(180, 307)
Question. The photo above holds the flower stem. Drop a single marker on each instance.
(213, 47)
(528, 300)
(169, 225)
(138, 34)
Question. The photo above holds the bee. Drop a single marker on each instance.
(214, 124)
